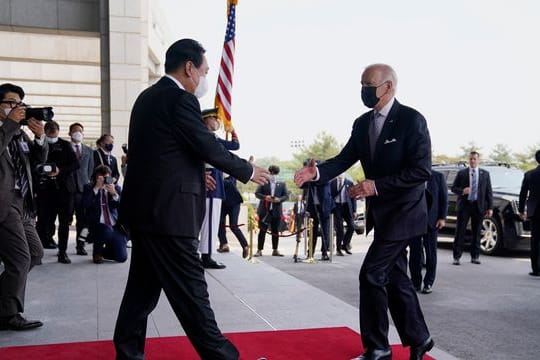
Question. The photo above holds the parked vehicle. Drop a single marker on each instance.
(505, 230)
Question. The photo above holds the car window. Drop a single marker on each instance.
(505, 179)
(451, 177)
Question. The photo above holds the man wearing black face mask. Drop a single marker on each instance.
(103, 155)
(393, 144)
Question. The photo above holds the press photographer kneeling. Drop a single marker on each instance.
(100, 200)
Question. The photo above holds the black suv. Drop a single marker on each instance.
(504, 230)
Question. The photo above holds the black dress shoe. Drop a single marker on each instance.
(475, 261)
(325, 257)
(534, 273)
(455, 262)
(63, 258)
(212, 264)
(18, 323)
(339, 253)
(427, 289)
(82, 252)
(346, 249)
(377, 354)
(417, 352)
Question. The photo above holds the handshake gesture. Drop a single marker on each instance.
(361, 189)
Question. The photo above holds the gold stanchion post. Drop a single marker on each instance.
(310, 259)
(251, 229)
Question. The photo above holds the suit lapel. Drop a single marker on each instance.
(387, 128)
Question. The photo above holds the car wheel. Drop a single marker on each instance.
(491, 236)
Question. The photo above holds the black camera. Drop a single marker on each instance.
(124, 148)
(38, 113)
(108, 180)
(46, 169)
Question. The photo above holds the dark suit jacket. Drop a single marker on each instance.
(437, 193)
(81, 177)
(165, 188)
(324, 194)
(36, 155)
(531, 187)
(232, 195)
(91, 203)
(280, 192)
(110, 161)
(62, 155)
(485, 194)
(351, 203)
(400, 168)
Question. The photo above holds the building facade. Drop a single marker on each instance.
(88, 59)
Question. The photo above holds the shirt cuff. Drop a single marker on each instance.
(375, 188)
(116, 197)
(318, 176)
(40, 140)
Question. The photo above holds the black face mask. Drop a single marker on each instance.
(369, 96)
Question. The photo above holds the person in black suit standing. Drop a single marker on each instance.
(345, 210)
(437, 199)
(53, 197)
(231, 208)
(393, 145)
(20, 247)
(103, 155)
(163, 205)
(299, 213)
(77, 180)
(475, 200)
(529, 200)
(270, 197)
(319, 205)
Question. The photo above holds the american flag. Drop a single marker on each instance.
(226, 69)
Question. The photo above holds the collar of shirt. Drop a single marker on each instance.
(178, 83)
(386, 109)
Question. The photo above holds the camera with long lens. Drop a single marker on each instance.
(39, 113)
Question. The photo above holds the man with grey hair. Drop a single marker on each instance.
(393, 145)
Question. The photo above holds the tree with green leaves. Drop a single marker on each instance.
(502, 153)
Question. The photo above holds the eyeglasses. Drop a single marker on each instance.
(13, 103)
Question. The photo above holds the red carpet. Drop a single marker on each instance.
(340, 343)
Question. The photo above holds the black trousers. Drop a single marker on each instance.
(343, 213)
(384, 285)
(20, 250)
(74, 204)
(274, 228)
(299, 225)
(172, 264)
(535, 242)
(53, 202)
(233, 212)
(324, 220)
(427, 242)
(469, 210)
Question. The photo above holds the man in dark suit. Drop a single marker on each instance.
(103, 155)
(163, 205)
(231, 208)
(437, 199)
(78, 179)
(345, 210)
(270, 197)
(53, 197)
(20, 247)
(529, 200)
(299, 213)
(393, 145)
(319, 205)
(475, 200)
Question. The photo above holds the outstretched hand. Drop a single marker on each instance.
(260, 176)
(305, 174)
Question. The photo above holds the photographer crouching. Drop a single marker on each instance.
(100, 200)
(20, 247)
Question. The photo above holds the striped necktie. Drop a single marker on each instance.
(21, 180)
